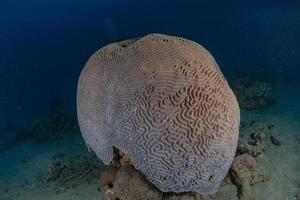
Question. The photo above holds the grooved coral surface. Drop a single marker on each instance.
(164, 102)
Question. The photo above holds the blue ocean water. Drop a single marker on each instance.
(44, 45)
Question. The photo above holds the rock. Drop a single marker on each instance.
(183, 196)
(244, 173)
(129, 184)
(240, 179)
(126, 183)
(120, 159)
(27, 159)
(271, 126)
(125, 159)
(58, 123)
(253, 94)
(151, 119)
(107, 178)
(115, 180)
(250, 149)
(228, 191)
(297, 195)
(64, 169)
(256, 138)
(253, 137)
(275, 140)
(244, 160)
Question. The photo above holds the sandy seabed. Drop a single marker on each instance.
(24, 167)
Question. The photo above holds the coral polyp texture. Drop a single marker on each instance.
(164, 102)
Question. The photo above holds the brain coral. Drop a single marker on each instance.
(163, 101)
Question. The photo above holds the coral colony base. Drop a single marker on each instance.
(163, 101)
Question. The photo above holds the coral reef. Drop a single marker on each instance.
(297, 195)
(125, 160)
(107, 178)
(246, 148)
(124, 182)
(56, 125)
(244, 173)
(161, 102)
(7, 136)
(244, 170)
(275, 140)
(129, 184)
(253, 94)
(253, 137)
(186, 196)
(243, 160)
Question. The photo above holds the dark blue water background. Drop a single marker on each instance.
(45, 43)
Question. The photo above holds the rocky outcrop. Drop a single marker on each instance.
(129, 184)
(253, 94)
(244, 173)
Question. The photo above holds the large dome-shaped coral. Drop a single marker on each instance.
(164, 102)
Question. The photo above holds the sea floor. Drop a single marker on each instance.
(24, 167)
